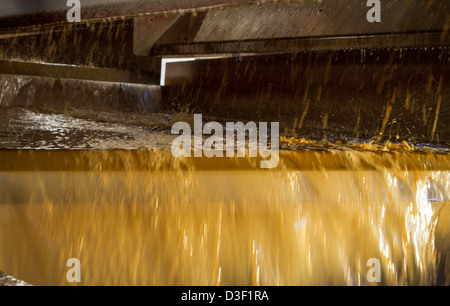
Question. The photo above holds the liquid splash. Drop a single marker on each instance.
(145, 218)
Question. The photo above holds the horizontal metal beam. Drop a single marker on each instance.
(411, 40)
(24, 13)
(329, 18)
(68, 72)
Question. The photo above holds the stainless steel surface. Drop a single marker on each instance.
(316, 19)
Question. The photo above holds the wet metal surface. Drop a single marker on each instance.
(26, 129)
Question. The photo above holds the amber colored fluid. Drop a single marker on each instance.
(145, 218)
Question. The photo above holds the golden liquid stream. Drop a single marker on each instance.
(146, 218)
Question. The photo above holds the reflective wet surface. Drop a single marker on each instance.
(7, 280)
(22, 128)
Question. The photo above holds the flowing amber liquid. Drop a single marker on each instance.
(146, 218)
